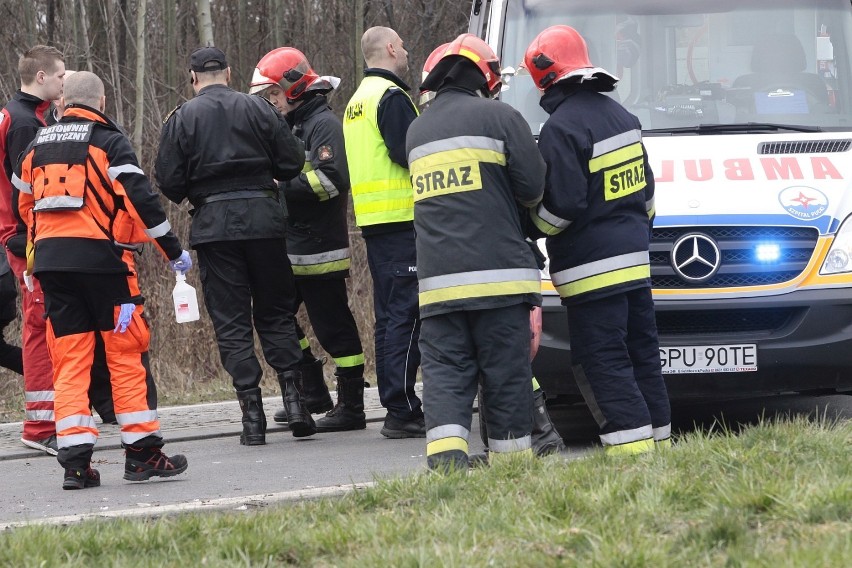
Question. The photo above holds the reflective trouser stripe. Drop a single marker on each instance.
(75, 430)
(350, 361)
(447, 438)
(663, 444)
(509, 446)
(631, 448)
(626, 436)
(39, 415)
(136, 417)
(134, 432)
(68, 440)
(38, 396)
(663, 432)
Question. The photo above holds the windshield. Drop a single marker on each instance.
(685, 63)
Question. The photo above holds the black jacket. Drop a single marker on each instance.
(19, 122)
(473, 162)
(222, 143)
(598, 197)
(317, 199)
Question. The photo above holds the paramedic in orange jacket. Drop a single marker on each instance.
(86, 203)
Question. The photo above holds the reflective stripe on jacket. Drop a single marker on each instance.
(317, 199)
(599, 198)
(473, 164)
(381, 189)
(85, 198)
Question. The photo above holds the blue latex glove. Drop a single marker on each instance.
(182, 263)
(125, 314)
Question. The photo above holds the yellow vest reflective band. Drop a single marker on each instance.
(381, 188)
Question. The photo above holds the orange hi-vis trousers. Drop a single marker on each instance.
(78, 306)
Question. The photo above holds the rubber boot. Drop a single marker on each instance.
(348, 414)
(545, 439)
(254, 420)
(315, 393)
(299, 419)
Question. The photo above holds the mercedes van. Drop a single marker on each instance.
(746, 109)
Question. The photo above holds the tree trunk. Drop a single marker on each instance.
(51, 20)
(359, 31)
(84, 28)
(205, 23)
(140, 76)
(171, 59)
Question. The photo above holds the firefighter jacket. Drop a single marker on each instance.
(19, 121)
(317, 199)
(223, 151)
(85, 198)
(472, 161)
(381, 186)
(599, 196)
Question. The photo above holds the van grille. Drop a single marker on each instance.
(804, 147)
(739, 266)
(759, 320)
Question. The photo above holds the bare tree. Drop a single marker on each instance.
(84, 29)
(205, 23)
(139, 122)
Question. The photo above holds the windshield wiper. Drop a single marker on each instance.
(746, 127)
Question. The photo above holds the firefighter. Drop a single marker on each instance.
(545, 438)
(86, 202)
(223, 151)
(318, 235)
(597, 214)
(375, 123)
(473, 160)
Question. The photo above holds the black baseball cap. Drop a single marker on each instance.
(207, 59)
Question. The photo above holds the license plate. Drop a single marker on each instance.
(709, 358)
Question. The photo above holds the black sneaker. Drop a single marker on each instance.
(157, 464)
(47, 445)
(81, 478)
(396, 428)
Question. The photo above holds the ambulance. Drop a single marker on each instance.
(746, 109)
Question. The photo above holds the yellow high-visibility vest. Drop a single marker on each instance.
(381, 188)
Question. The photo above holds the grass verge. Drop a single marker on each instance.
(775, 494)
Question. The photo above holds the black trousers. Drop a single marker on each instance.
(460, 349)
(248, 285)
(327, 304)
(616, 358)
(392, 258)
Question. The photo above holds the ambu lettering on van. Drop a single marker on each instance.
(746, 169)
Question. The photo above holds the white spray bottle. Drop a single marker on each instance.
(186, 300)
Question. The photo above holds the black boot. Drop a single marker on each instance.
(545, 439)
(349, 412)
(314, 390)
(300, 420)
(254, 420)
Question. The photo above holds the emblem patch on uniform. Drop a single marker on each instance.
(325, 153)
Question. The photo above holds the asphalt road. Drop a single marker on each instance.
(224, 475)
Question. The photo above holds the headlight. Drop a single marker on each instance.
(839, 257)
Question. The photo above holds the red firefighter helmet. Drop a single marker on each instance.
(475, 49)
(559, 53)
(286, 67)
(433, 59)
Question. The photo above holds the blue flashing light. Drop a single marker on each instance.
(767, 252)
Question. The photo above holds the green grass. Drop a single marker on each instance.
(774, 494)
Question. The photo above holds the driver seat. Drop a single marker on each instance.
(778, 62)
